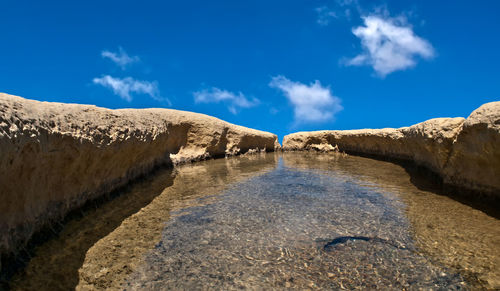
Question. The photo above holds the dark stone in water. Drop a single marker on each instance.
(343, 239)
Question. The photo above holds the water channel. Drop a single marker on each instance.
(274, 221)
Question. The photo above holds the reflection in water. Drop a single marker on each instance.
(311, 221)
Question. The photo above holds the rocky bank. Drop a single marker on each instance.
(55, 157)
(464, 153)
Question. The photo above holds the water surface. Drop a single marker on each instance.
(293, 220)
(315, 221)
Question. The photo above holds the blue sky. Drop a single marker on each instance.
(279, 66)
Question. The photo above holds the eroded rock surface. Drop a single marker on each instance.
(465, 153)
(475, 159)
(55, 157)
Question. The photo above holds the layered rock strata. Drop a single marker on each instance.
(55, 157)
(465, 153)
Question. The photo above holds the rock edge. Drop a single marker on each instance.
(55, 157)
(464, 153)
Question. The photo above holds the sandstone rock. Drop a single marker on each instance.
(55, 157)
(465, 153)
(475, 159)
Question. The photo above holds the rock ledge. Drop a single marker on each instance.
(55, 157)
(464, 153)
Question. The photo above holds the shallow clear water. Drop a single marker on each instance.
(292, 228)
(272, 221)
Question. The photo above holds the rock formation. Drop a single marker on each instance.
(55, 157)
(465, 153)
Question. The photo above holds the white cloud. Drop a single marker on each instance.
(312, 103)
(121, 58)
(389, 44)
(124, 87)
(234, 101)
(325, 15)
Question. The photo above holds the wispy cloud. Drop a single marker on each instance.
(125, 87)
(339, 9)
(312, 103)
(389, 45)
(234, 101)
(120, 58)
(325, 15)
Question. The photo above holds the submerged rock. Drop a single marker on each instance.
(465, 153)
(55, 156)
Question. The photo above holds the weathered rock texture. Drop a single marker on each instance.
(54, 157)
(465, 153)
